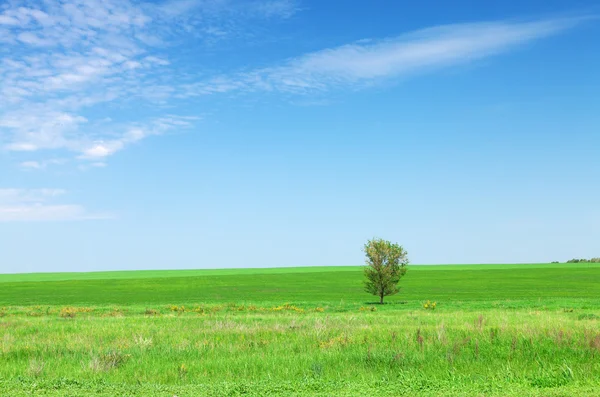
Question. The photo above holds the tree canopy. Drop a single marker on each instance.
(386, 265)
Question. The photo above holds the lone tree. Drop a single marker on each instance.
(386, 264)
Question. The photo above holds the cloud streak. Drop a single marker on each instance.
(30, 205)
(375, 61)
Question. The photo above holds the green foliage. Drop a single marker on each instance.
(386, 265)
(593, 260)
(588, 316)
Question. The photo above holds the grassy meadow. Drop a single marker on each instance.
(497, 330)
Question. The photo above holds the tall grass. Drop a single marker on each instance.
(514, 331)
(409, 350)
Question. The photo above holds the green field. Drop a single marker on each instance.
(497, 330)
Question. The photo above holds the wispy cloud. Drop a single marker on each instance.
(372, 61)
(216, 9)
(101, 148)
(91, 77)
(20, 205)
(41, 164)
(66, 64)
(36, 165)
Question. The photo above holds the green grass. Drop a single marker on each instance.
(138, 274)
(452, 284)
(498, 330)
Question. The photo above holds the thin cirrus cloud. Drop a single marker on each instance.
(61, 61)
(374, 61)
(65, 64)
(40, 165)
(29, 205)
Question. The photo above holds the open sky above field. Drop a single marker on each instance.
(225, 133)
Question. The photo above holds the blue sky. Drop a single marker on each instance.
(222, 133)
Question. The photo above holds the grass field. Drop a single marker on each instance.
(497, 330)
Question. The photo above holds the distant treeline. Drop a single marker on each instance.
(593, 260)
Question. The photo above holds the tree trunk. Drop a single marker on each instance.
(381, 299)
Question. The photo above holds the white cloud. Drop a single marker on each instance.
(212, 9)
(37, 128)
(104, 148)
(40, 212)
(369, 61)
(42, 164)
(31, 164)
(72, 70)
(7, 20)
(12, 196)
(60, 60)
(19, 205)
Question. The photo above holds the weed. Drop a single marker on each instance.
(441, 332)
(340, 341)
(480, 321)
(294, 326)
(151, 312)
(142, 342)
(316, 369)
(36, 367)
(115, 312)
(177, 309)
(367, 309)
(559, 337)
(397, 359)
(287, 307)
(494, 332)
(233, 307)
(551, 379)
(68, 312)
(419, 338)
(36, 311)
(595, 342)
(258, 343)
(108, 361)
(199, 310)
(429, 305)
(182, 371)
